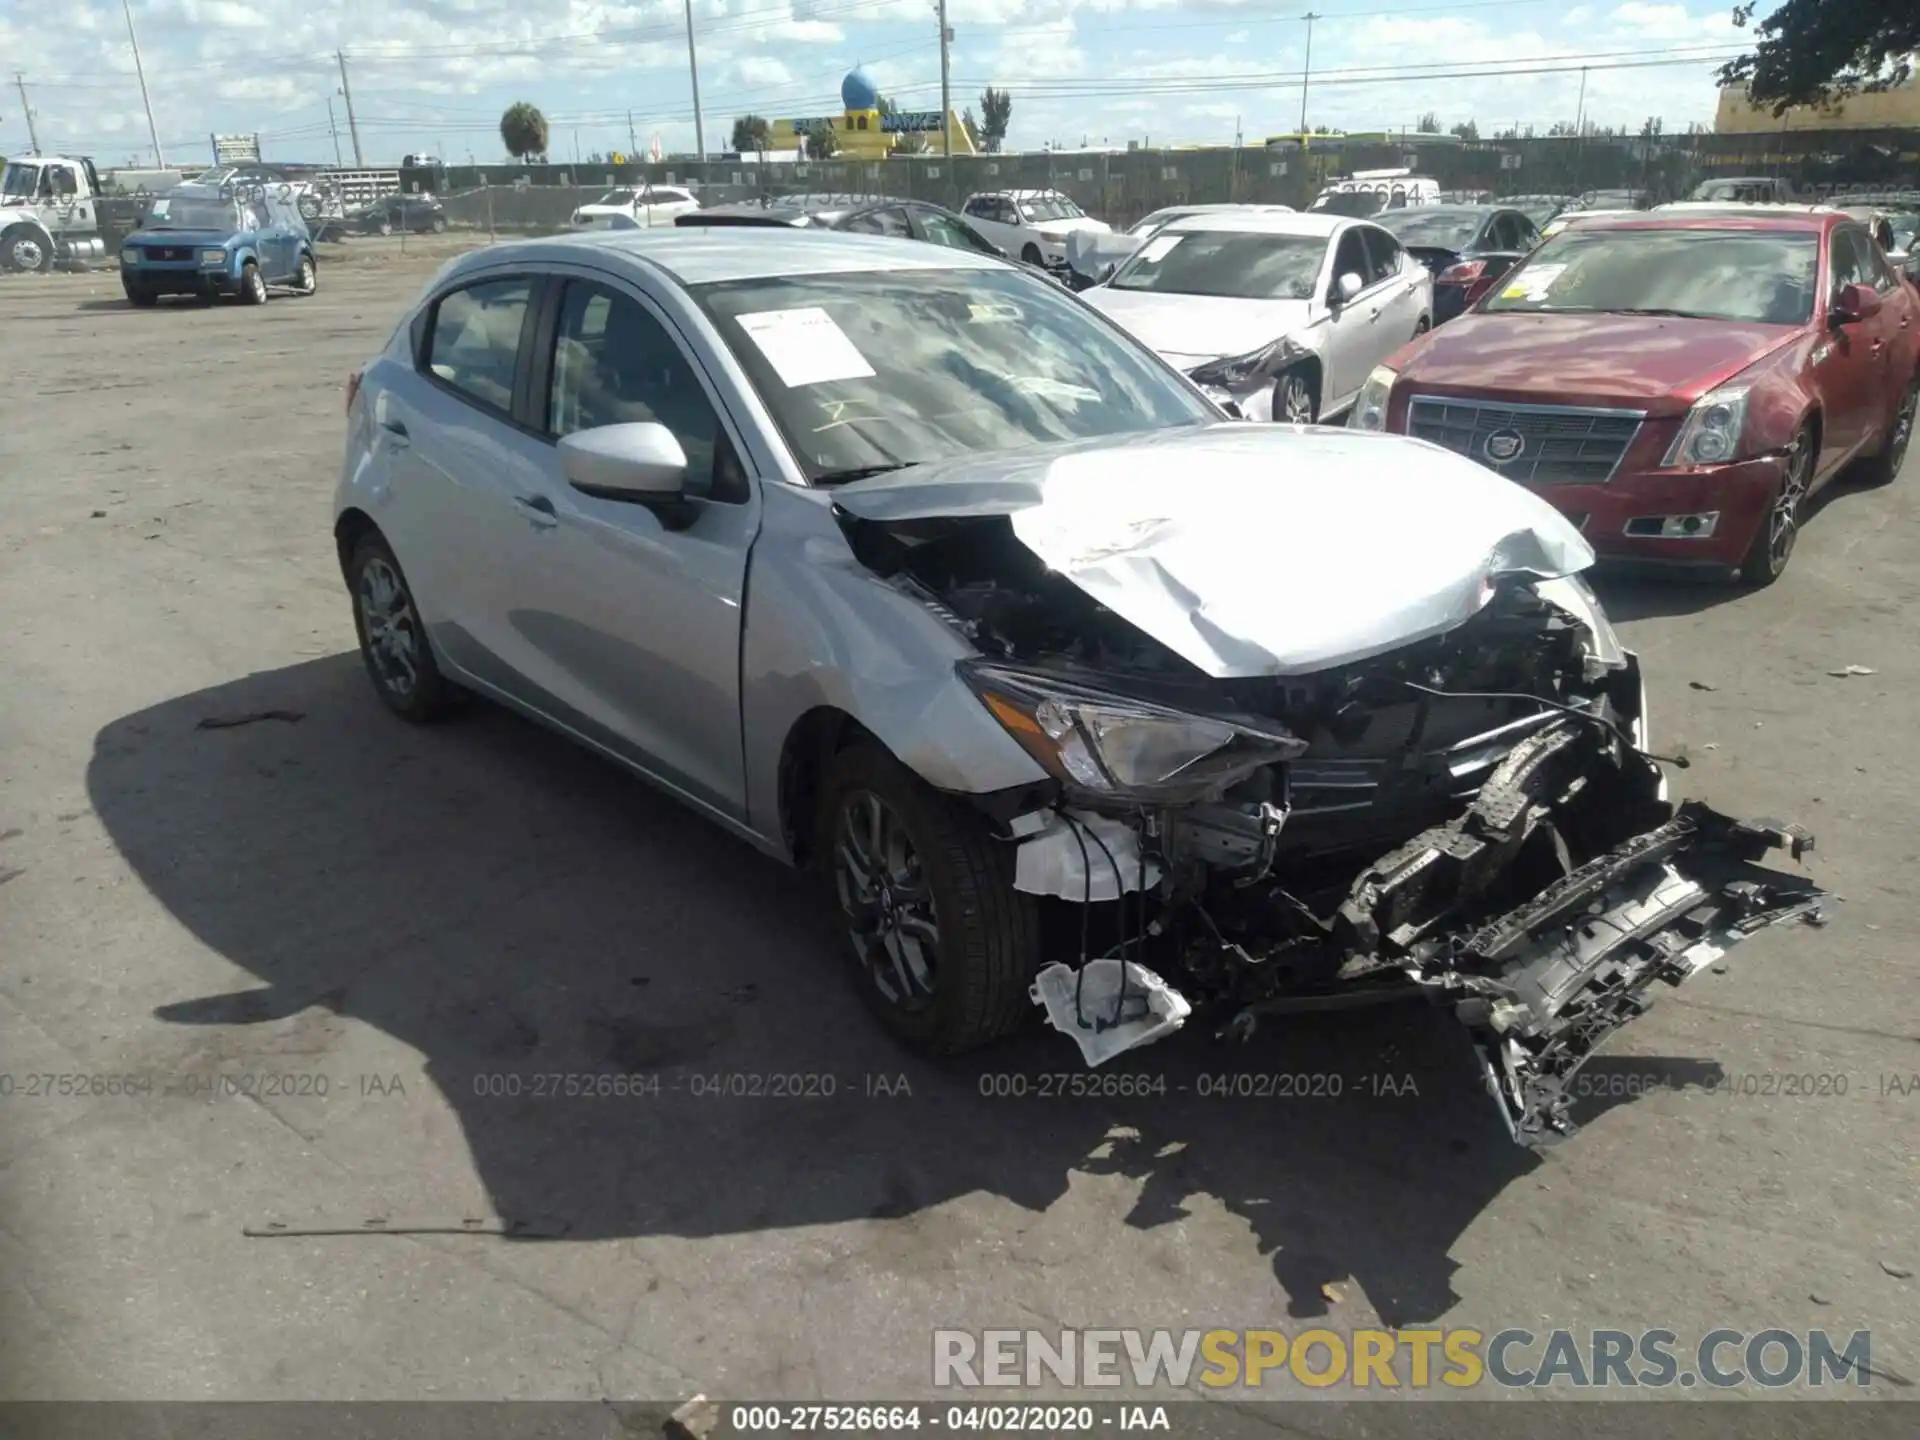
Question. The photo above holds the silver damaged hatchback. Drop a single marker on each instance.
(911, 568)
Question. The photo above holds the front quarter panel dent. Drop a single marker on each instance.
(823, 631)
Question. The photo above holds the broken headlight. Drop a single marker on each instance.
(1114, 747)
(1370, 408)
(1239, 374)
(1711, 433)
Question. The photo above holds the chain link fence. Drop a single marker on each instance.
(1120, 187)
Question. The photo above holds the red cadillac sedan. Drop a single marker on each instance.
(1677, 385)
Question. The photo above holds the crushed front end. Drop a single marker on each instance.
(1472, 818)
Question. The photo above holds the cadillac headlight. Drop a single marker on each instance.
(1113, 747)
(213, 257)
(1370, 408)
(1711, 433)
(1242, 374)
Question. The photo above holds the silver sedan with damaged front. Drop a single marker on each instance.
(908, 568)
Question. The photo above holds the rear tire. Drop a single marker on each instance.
(393, 640)
(1884, 468)
(1779, 529)
(942, 947)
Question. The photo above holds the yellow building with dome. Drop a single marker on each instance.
(863, 132)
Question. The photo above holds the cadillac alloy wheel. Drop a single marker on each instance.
(1779, 530)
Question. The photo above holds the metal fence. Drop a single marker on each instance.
(1122, 186)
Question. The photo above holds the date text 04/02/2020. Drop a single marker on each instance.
(1005, 1418)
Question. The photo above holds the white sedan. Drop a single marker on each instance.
(1282, 315)
(636, 209)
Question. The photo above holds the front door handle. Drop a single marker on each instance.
(537, 510)
(396, 433)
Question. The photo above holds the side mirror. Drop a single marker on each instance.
(640, 464)
(1855, 302)
(1346, 287)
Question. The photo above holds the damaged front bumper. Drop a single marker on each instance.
(1542, 916)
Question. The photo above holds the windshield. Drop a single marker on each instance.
(194, 212)
(1237, 264)
(1352, 202)
(1039, 211)
(1539, 211)
(1752, 276)
(1441, 229)
(616, 197)
(903, 367)
(20, 180)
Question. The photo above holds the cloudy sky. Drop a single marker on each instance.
(434, 75)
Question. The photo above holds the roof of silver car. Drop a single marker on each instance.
(700, 255)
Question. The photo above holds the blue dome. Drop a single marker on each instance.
(857, 92)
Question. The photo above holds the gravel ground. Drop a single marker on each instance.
(334, 902)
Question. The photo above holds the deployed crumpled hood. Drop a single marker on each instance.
(1189, 329)
(1255, 550)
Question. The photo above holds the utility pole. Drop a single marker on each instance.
(353, 125)
(26, 109)
(946, 84)
(633, 140)
(1306, 73)
(139, 71)
(693, 69)
(1580, 114)
(334, 126)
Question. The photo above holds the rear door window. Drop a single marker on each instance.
(890, 220)
(473, 346)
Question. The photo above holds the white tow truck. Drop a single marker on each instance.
(49, 212)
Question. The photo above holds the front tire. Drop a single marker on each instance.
(393, 640)
(1296, 399)
(140, 297)
(943, 948)
(1779, 529)
(253, 285)
(439, 224)
(1032, 256)
(23, 249)
(385, 227)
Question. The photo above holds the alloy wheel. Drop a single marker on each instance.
(1902, 435)
(391, 628)
(26, 254)
(309, 279)
(1296, 401)
(887, 900)
(1783, 520)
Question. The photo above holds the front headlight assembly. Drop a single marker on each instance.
(1110, 747)
(1370, 407)
(213, 258)
(1243, 374)
(1711, 433)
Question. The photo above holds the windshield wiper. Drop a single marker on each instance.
(861, 472)
(1657, 310)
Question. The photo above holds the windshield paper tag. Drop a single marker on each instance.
(1533, 284)
(1158, 248)
(986, 314)
(805, 347)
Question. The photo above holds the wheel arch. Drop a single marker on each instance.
(353, 526)
(812, 742)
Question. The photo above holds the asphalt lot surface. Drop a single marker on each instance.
(397, 917)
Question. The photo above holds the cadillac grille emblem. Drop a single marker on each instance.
(1503, 445)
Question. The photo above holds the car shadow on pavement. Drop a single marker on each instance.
(512, 907)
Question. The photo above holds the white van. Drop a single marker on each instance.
(1368, 192)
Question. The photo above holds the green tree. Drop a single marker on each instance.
(1429, 124)
(523, 129)
(750, 132)
(822, 143)
(1467, 131)
(1814, 52)
(996, 113)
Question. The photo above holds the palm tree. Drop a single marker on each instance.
(524, 130)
